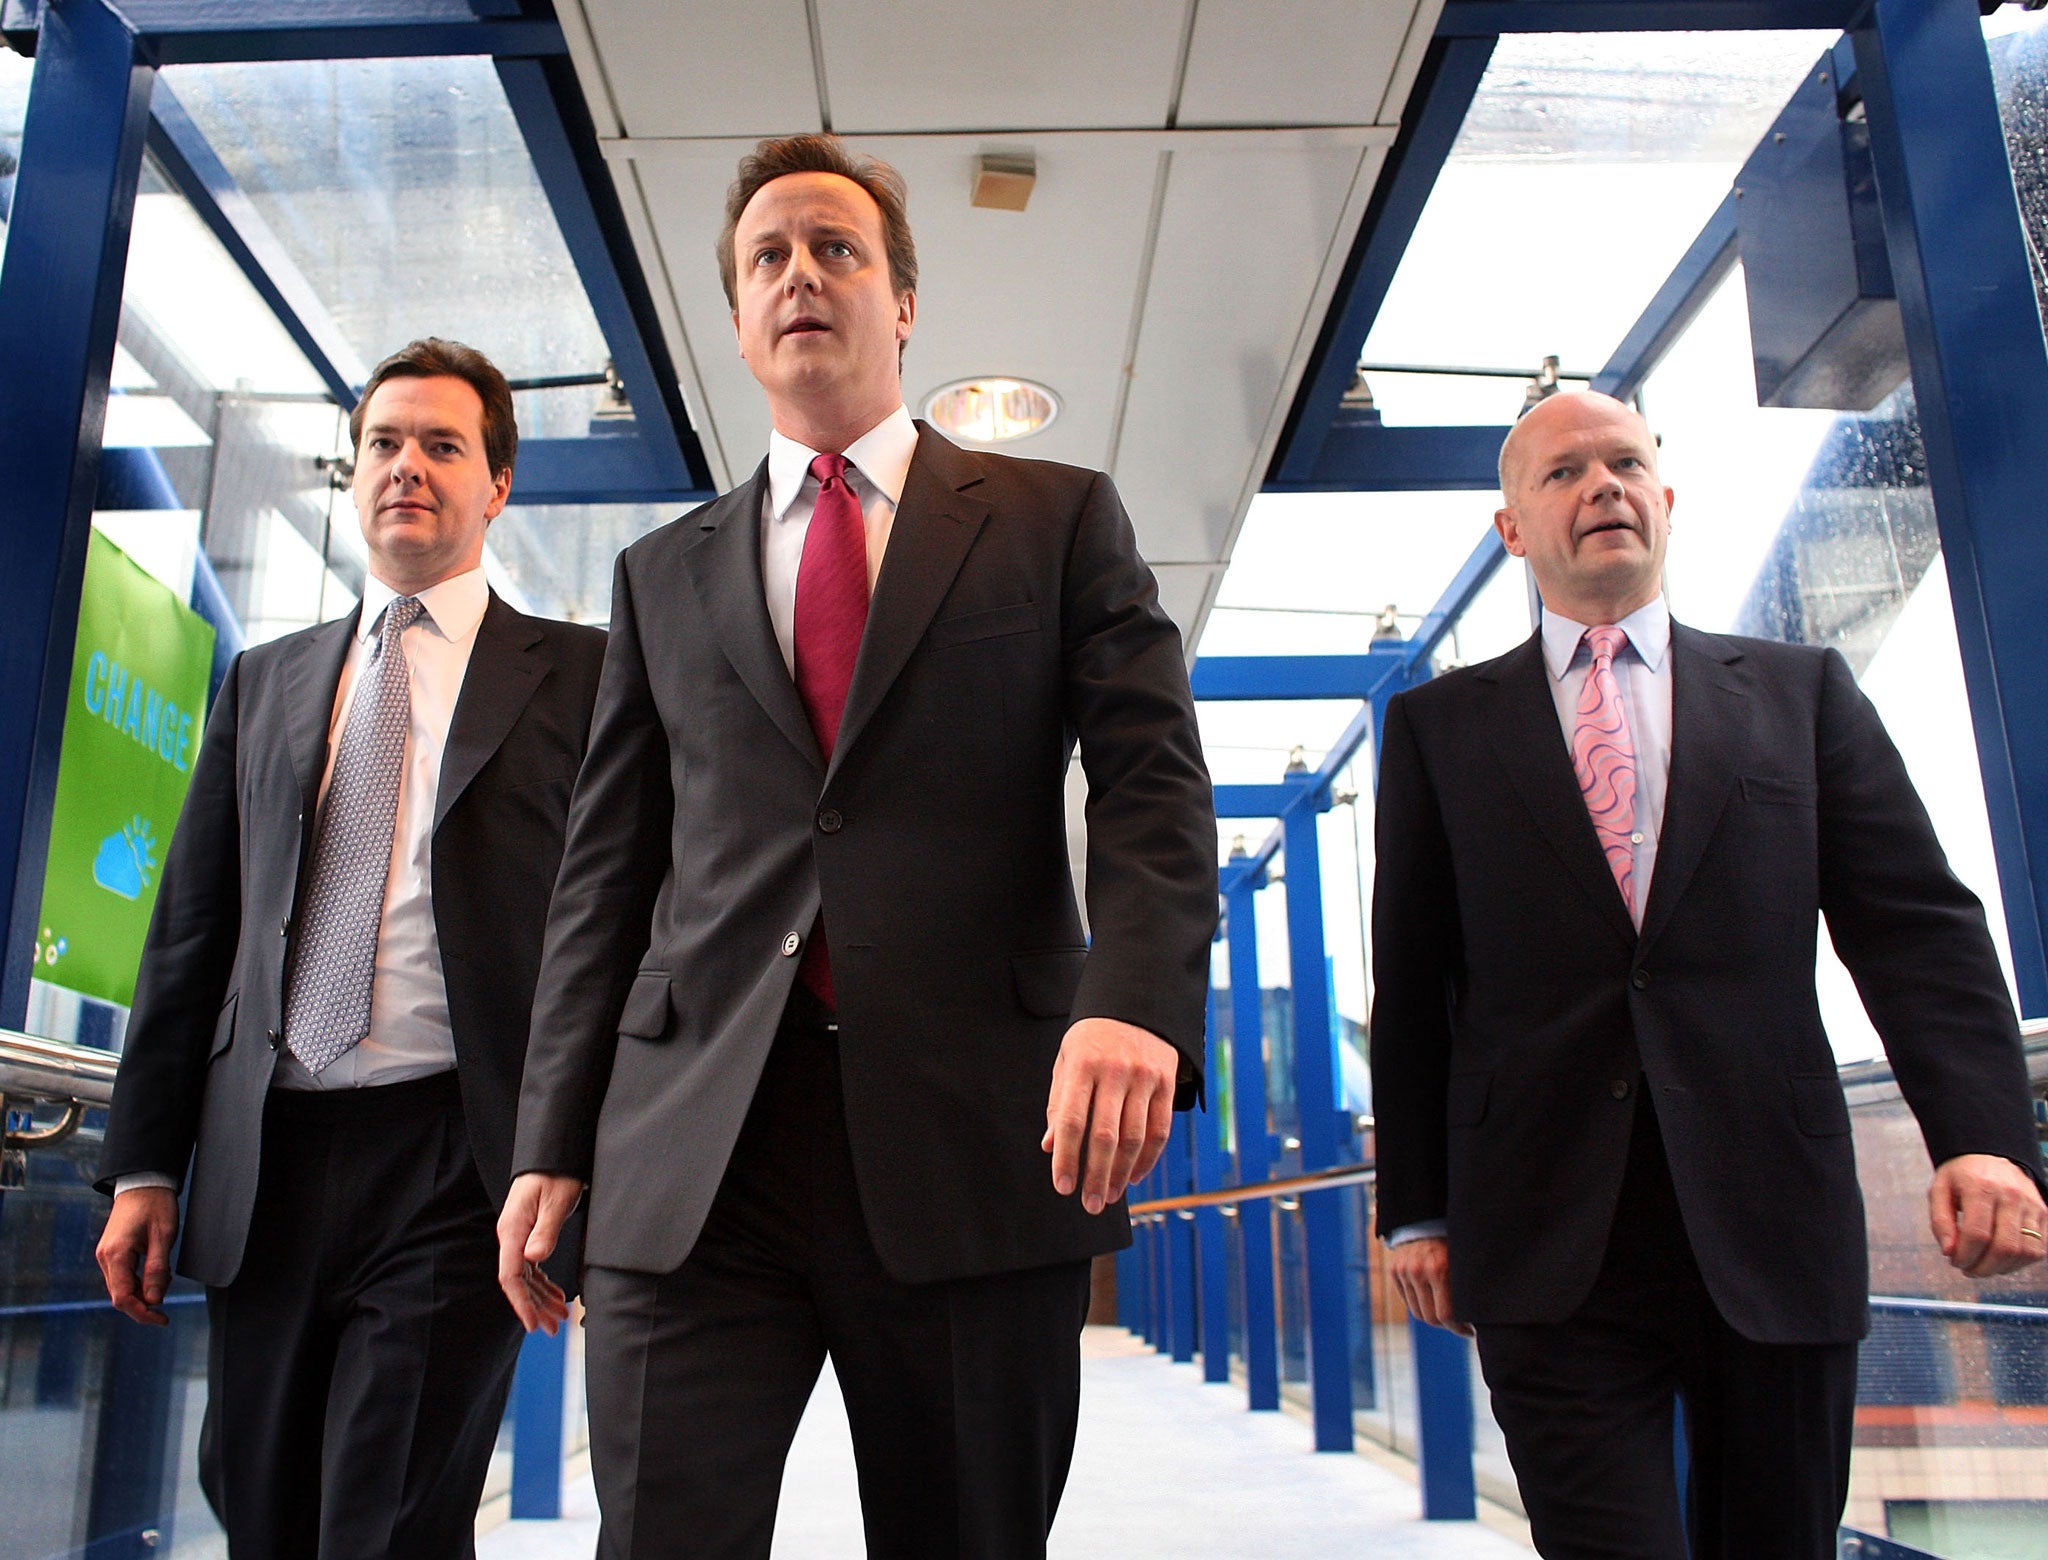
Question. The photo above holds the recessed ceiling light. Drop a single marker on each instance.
(992, 409)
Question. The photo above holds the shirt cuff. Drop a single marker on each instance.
(1421, 1229)
(141, 1179)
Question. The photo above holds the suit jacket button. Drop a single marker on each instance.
(1640, 980)
(790, 944)
(1619, 1088)
(272, 1037)
(284, 927)
(830, 822)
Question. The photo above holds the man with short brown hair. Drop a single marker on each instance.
(330, 1017)
(818, 1004)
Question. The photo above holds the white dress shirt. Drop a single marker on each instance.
(409, 1034)
(1642, 671)
(877, 463)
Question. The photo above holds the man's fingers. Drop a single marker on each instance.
(1158, 1128)
(1975, 1221)
(1066, 1116)
(1941, 1215)
(1130, 1143)
(515, 1224)
(1105, 1132)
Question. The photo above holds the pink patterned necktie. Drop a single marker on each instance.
(1604, 754)
(831, 615)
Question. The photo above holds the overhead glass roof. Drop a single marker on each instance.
(1585, 167)
(403, 192)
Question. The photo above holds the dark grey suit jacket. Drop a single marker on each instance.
(203, 1034)
(1515, 998)
(1012, 615)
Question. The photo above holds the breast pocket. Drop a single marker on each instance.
(224, 1026)
(991, 623)
(645, 1015)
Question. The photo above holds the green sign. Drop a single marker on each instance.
(131, 732)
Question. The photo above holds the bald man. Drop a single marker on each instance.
(1611, 1139)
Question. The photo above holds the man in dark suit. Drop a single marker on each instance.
(1610, 1136)
(817, 1001)
(330, 1018)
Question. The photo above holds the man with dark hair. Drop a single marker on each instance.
(1610, 1136)
(817, 1003)
(330, 1017)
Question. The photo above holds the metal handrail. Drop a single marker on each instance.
(1961, 1310)
(1286, 1186)
(32, 1068)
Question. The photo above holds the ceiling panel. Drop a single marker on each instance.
(724, 70)
(1251, 231)
(911, 65)
(1329, 65)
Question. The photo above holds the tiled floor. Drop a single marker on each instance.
(1165, 1466)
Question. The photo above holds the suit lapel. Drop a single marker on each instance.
(936, 523)
(1529, 744)
(310, 680)
(506, 664)
(1706, 751)
(725, 566)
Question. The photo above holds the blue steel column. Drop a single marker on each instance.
(1315, 1090)
(60, 306)
(1211, 1172)
(1443, 1421)
(1254, 1143)
(1980, 376)
(1179, 1164)
(538, 1389)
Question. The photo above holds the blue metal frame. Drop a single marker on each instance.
(1490, 18)
(1706, 263)
(1211, 1173)
(539, 1388)
(1980, 375)
(1358, 457)
(1178, 1165)
(1254, 1141)
(1443, 1422)
(60, 305)
(219, 32)
(1450, 74)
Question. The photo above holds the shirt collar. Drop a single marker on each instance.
(1648, 629)
(882, 455)
(455, 606)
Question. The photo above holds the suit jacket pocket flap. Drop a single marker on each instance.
(646, 1011)
(224, 1026)
(1465, 1101)
(1818, 1105)
(1788, 793)
(1047, 980)
(1019, 618)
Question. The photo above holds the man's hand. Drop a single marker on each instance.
(1422, 1272)
(528, 1228)
(1987, 1215)
(1110, 1110)
(135, 1252)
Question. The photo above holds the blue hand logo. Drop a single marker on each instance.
(126, 862)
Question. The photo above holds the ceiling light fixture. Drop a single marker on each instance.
(991, 409)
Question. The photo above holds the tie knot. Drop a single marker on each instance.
(828, 469)
(1606, 641)
(403, 612)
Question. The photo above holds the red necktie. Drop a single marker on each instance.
(831, 613)
(1604, 755)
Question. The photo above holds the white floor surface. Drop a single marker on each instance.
(1165, 1466)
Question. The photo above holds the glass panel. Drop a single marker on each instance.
(2018, 43)
(1646, 130)
(14, 77)
(1950, 1451)
(403, 191)
(555, 560)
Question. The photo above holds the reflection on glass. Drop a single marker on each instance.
(1637, 134)
(2018, 43)
(14, 77)
(556, 559)
(403, 191)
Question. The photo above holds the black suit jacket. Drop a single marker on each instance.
(1012, 613)
(1515, 998)
(209, 999)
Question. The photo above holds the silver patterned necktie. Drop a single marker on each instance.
(327, 1007)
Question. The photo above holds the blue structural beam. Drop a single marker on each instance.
(60, 307)
(1371, 457)
(1443, 90)
(1685, 292)
(1254, 801)
(1287, 676)
(1212, 1172)
(1443, 1421)
(548, 104)
(1489, 18)
(1254, 1141)
(1973, 333)
(1178, 1163)
(215, 32)
(613, 468)
(203, 179)
(537, 1397)
(1322, 1144)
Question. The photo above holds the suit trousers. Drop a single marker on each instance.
(1587, 1406)
(357, 1366)
(962, 1396)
